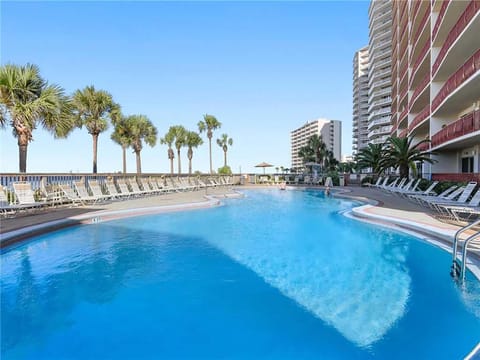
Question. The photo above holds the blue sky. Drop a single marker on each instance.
(262, 68)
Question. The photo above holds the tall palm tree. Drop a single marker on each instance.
(193, 140)
(401, 154)
(141, 130)
(94, 109)
(209, 124)
(122, 137)
(168, 139)
(330, 161)
(372, 157)
(26, 101)
(306, 153)
(224, 142)
(180, 136)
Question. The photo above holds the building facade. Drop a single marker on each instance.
(436, 82)
(379, 71)
(329, 130)
(360, 100)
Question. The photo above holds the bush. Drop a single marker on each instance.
(444, 185)
(367, 180)
(335, 177)
(225, 170)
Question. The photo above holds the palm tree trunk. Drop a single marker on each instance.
(22, 155)
(225, 158)
(190, 156)
(124, 158)
(171, 166)
(210, 150)
(179, 162)
(95, 145)
(139, 162)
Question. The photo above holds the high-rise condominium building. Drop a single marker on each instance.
(436, 82)
(360, 100)
(329, 130)
(379, 71)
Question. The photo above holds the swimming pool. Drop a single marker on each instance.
(277, 274)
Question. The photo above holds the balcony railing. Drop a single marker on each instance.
(422, 115)
(402, 115)
(402, 10)
(403, 133)
(463, 126)
(424, 147)
(421, 56)
(421, 26)
(468, 69)
(419, 89)
(415, 9)
(443, 9)
(457, 29)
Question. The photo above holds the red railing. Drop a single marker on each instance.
(402, 115)
(443, 9)
(420, 87)
(403, 133)
(457, 29)
(422, 115)
(424, 147)
(469, 68)
(402, 10)
(426, 16)
(415, 9)
(458, 177)
(463, 126)
(424, 51)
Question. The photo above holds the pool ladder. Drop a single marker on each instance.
(458, 267)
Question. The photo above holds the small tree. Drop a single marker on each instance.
(224, 142)
(122, 137)
(193, 140)
(209, 124)
(372, 157)
(168, 139)
(141, 130)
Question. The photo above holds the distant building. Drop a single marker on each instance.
(360, 100)
(329, 130)
(436, 83)
(347, 158)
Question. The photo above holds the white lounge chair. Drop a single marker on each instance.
(429, 201)
(70, 194)
(25, 195)
(469, 209)
(429, 191)
(112, 190)
(82, 192)
(420, 198)
(96, 190)
(462, 198)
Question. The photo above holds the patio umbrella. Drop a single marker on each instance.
(263, 165)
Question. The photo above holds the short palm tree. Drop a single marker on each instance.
(401, 154)
(180, 136)
(372, 157)
(168, 140)
(122, 137)
(224, 142)
(26, 101)
(316, 143)
(193, 140)
(209, 124)
(141, 130)
(94, 109)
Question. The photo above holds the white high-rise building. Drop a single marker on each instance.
(329, 130)
(360, 100)
(379, 71)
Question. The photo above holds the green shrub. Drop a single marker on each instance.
(444, 185)
(225, 170)
(335, 177)
(424, 184)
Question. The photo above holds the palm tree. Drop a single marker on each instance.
(224, 142)
(306, 153)
(94, 109)
(193, 140)
(180, 136)
(318, 146)
(209, 124)
(168, 139)
(330, 161)
(402, 155)
(141, 130)
(122, 137)
(372, 157)
(26, 101)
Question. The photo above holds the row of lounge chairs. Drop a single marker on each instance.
(81, 193)
(457, 202)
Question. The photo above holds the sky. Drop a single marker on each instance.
(262, 68)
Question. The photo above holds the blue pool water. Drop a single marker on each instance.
(278, 274)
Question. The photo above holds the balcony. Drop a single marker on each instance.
(380, 103)
(463, 126)
(424, 146)
(441, 14)
(403, 133)
(419, 118)
(464, 73)
(382, 121)
(452, 11)
(380, 131)
(419, 90)
(420, 60)
(470, 12)
(421, 26)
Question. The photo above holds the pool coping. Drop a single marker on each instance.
(15, 236)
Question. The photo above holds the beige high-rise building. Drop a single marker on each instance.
(329, 130)
(379, 71)
(360, 100)
(436, 83)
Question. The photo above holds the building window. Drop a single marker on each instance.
(467, 164)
